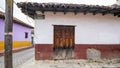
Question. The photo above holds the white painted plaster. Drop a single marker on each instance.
(90, 29)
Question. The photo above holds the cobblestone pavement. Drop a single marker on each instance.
(32, 63)
(19, 58)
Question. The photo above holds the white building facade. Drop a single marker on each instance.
(89, 29)
(65, 31)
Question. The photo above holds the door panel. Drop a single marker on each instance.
(63, 42)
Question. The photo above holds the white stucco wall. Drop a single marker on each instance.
(90, 29)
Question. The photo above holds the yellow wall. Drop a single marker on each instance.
(16, 44)
(1, 45)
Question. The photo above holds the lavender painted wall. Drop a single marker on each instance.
(18, 32)
(1, 30)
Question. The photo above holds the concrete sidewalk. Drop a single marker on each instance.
(32, 63)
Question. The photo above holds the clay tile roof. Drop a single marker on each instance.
(30, 8)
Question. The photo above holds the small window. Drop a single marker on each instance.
(26, 34)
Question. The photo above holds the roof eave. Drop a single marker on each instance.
(30, 8)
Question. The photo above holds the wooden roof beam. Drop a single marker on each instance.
(118, 15)
(115, 14)
(76, 10)
(85, 12)
(94, 13)
(55, 8)
(104, 13)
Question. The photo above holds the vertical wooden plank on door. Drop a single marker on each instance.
(63, 41)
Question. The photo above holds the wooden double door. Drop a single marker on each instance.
(63, 42)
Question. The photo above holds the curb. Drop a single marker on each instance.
(16, 50)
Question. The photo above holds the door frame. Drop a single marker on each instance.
(64, 26)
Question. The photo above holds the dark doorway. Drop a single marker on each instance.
(64, 42)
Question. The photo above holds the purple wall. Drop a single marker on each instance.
(18, 32)
(1, 30)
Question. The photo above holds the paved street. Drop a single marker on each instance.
(19, 57)
(73, 63)
(25, 59)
